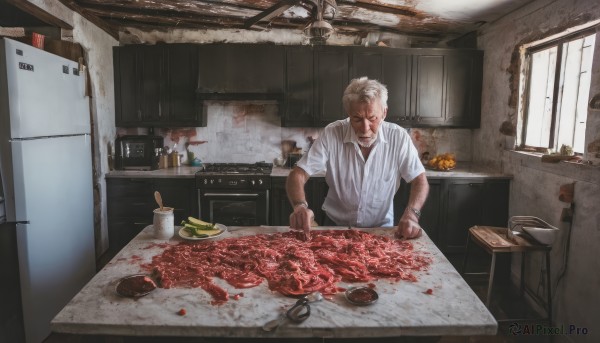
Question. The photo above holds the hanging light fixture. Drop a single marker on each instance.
(319, 30)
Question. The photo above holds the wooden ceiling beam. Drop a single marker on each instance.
(271, 12)
(103, 25)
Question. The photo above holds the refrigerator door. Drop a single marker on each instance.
(54, 196)
(45, 96)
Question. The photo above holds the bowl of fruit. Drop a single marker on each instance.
(442, 162)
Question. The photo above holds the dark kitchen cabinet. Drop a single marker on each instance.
(331, 78)
(454, 205)
(446, 88)
(315, 191)
(392, 67)
(299, 88)
(155, 86)
(472, 202)
(431, 213)
(315, 82)
(426, 87)
(245, 71)
(130, 202)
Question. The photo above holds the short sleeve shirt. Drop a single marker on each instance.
(361, 193)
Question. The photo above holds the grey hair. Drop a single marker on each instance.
(364, 90)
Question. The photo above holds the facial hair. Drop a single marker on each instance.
(369, 143)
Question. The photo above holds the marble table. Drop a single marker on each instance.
(403, 308)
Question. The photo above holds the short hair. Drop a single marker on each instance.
(365, 90)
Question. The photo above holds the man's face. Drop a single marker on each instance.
(365, 120)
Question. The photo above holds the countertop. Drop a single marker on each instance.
(463, 170)
(402, 309)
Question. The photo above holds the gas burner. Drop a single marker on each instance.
(259, 168)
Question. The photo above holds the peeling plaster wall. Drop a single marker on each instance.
(97, 46)
(535, 187)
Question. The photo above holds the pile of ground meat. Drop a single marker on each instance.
(289, 264)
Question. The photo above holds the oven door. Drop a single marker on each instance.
(234, 207)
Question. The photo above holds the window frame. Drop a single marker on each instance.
(529, 51)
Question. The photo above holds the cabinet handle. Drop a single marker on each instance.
(159, 110)
(475, 184)
(141, 223)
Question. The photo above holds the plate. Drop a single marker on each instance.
(442, 170)
(135, 286)
(185, 235)
(361, 296)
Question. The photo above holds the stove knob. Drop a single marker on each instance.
(260, 181)
(205, 181)
(252, 182)
(212, 181)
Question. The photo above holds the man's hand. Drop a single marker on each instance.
(409, 227)
(301, 219)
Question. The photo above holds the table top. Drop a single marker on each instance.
(403, 308)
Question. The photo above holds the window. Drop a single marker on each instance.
(558, 87)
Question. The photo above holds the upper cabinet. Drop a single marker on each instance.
(164, 85)
(155, 86)
(240, 71)
(446, 86)
(392, 67)
(426, 87)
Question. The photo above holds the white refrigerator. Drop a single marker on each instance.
(46, 175)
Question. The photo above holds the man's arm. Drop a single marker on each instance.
(409, 227)
(302, 217)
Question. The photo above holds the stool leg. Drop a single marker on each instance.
(549, 279)
(522, 284)
(464, 266)
(491, 281)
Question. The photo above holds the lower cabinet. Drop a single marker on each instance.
(454, 205)
(280, 208)
(130, 203)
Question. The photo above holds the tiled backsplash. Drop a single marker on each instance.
(245, 131)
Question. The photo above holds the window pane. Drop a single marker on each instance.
(539, 111)
(575, 88)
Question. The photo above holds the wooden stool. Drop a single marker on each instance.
(494, 241)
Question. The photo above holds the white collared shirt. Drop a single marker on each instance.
(361, 193)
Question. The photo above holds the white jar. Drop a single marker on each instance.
(164, 223)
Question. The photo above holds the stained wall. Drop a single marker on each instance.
(535, 187)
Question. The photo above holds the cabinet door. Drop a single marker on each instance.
(299, 88)
(279, 204)
(367, 62)
(181, 107)
(151, 72)
(495, 203)
(332, 79)
(397, 78)
(464, 208)
(430, 219)
(180, 194)
(318, 187)
(463, 84)
(126, 86)
(429, 91)
(240, 69)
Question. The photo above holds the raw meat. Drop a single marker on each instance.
(289, 264)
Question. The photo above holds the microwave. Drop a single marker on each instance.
(137, 152)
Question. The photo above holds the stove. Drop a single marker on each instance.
(234, 194)
(259, 168)
(234, 176)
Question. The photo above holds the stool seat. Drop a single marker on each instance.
(494, 240)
